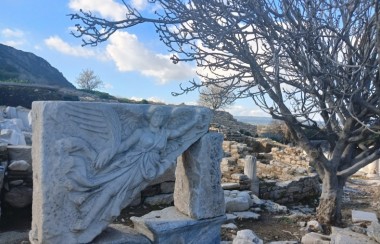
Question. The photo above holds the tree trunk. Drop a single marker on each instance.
(330, 203)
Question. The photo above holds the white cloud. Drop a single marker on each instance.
(139, 4)
(108, 86)
(131, 55)
(14, 43)
(108, 9)
(12, 37)
(11, 33)
(61, 46)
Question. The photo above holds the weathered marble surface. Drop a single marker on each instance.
(90, 160)
(198, 192)
(169, 226)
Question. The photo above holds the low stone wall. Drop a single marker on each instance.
(299, 189)
(284, 172)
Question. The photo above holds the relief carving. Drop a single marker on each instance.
(103, 156)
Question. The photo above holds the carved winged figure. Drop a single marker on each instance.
(130, 150)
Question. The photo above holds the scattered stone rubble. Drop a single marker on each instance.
(15, 156)
(365, 229)
(285, 175)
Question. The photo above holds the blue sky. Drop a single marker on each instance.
(132, 63)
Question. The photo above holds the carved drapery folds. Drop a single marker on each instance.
(91, 159)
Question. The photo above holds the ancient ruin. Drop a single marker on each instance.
(90, 160)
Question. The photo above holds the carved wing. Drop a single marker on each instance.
(130, 121)
(100, 122)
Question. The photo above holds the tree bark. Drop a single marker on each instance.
(329, 211)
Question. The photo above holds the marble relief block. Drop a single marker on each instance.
(90, 160)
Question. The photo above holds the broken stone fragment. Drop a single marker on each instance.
(362, 216)
(19, 165)
(247, 237)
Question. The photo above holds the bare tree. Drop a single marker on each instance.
(88, 80)
(302, 61)
(215, 97)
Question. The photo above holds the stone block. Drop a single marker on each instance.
(236, 204)
(198, 192)
(230, 161)
(247, 215)
(373, 231)
(19, 165)
(91, 160)
(20, 152)
(247, 237)
(362, 216)
(230, 186)
(169, 226)
(339, 235)
(239, 177)
(315, 238)
(161, 199)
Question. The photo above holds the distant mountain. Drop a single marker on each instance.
(25, 66)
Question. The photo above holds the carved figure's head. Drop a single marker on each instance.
(158, 116)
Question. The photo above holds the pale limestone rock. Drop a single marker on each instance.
(90, 160)
(20, 152)
(21, 114)
(198, 193)
(256, 201)
(231, 217)
(238, 176)
(361, 216)
(315, 238)
(169, 226)
(373, 231)
(229, 226)
(273, 207)
(236, 204)
(247, 215)
(12, 137)
(230, 186)
(247, 237)
(19, 165)
(237, 200)
(283, 242)
(161, 199)
(314, 226)
(339, 236)
(250, 170)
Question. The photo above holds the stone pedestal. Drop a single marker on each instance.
(198, 192)
(250, 171)
(170, 226)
